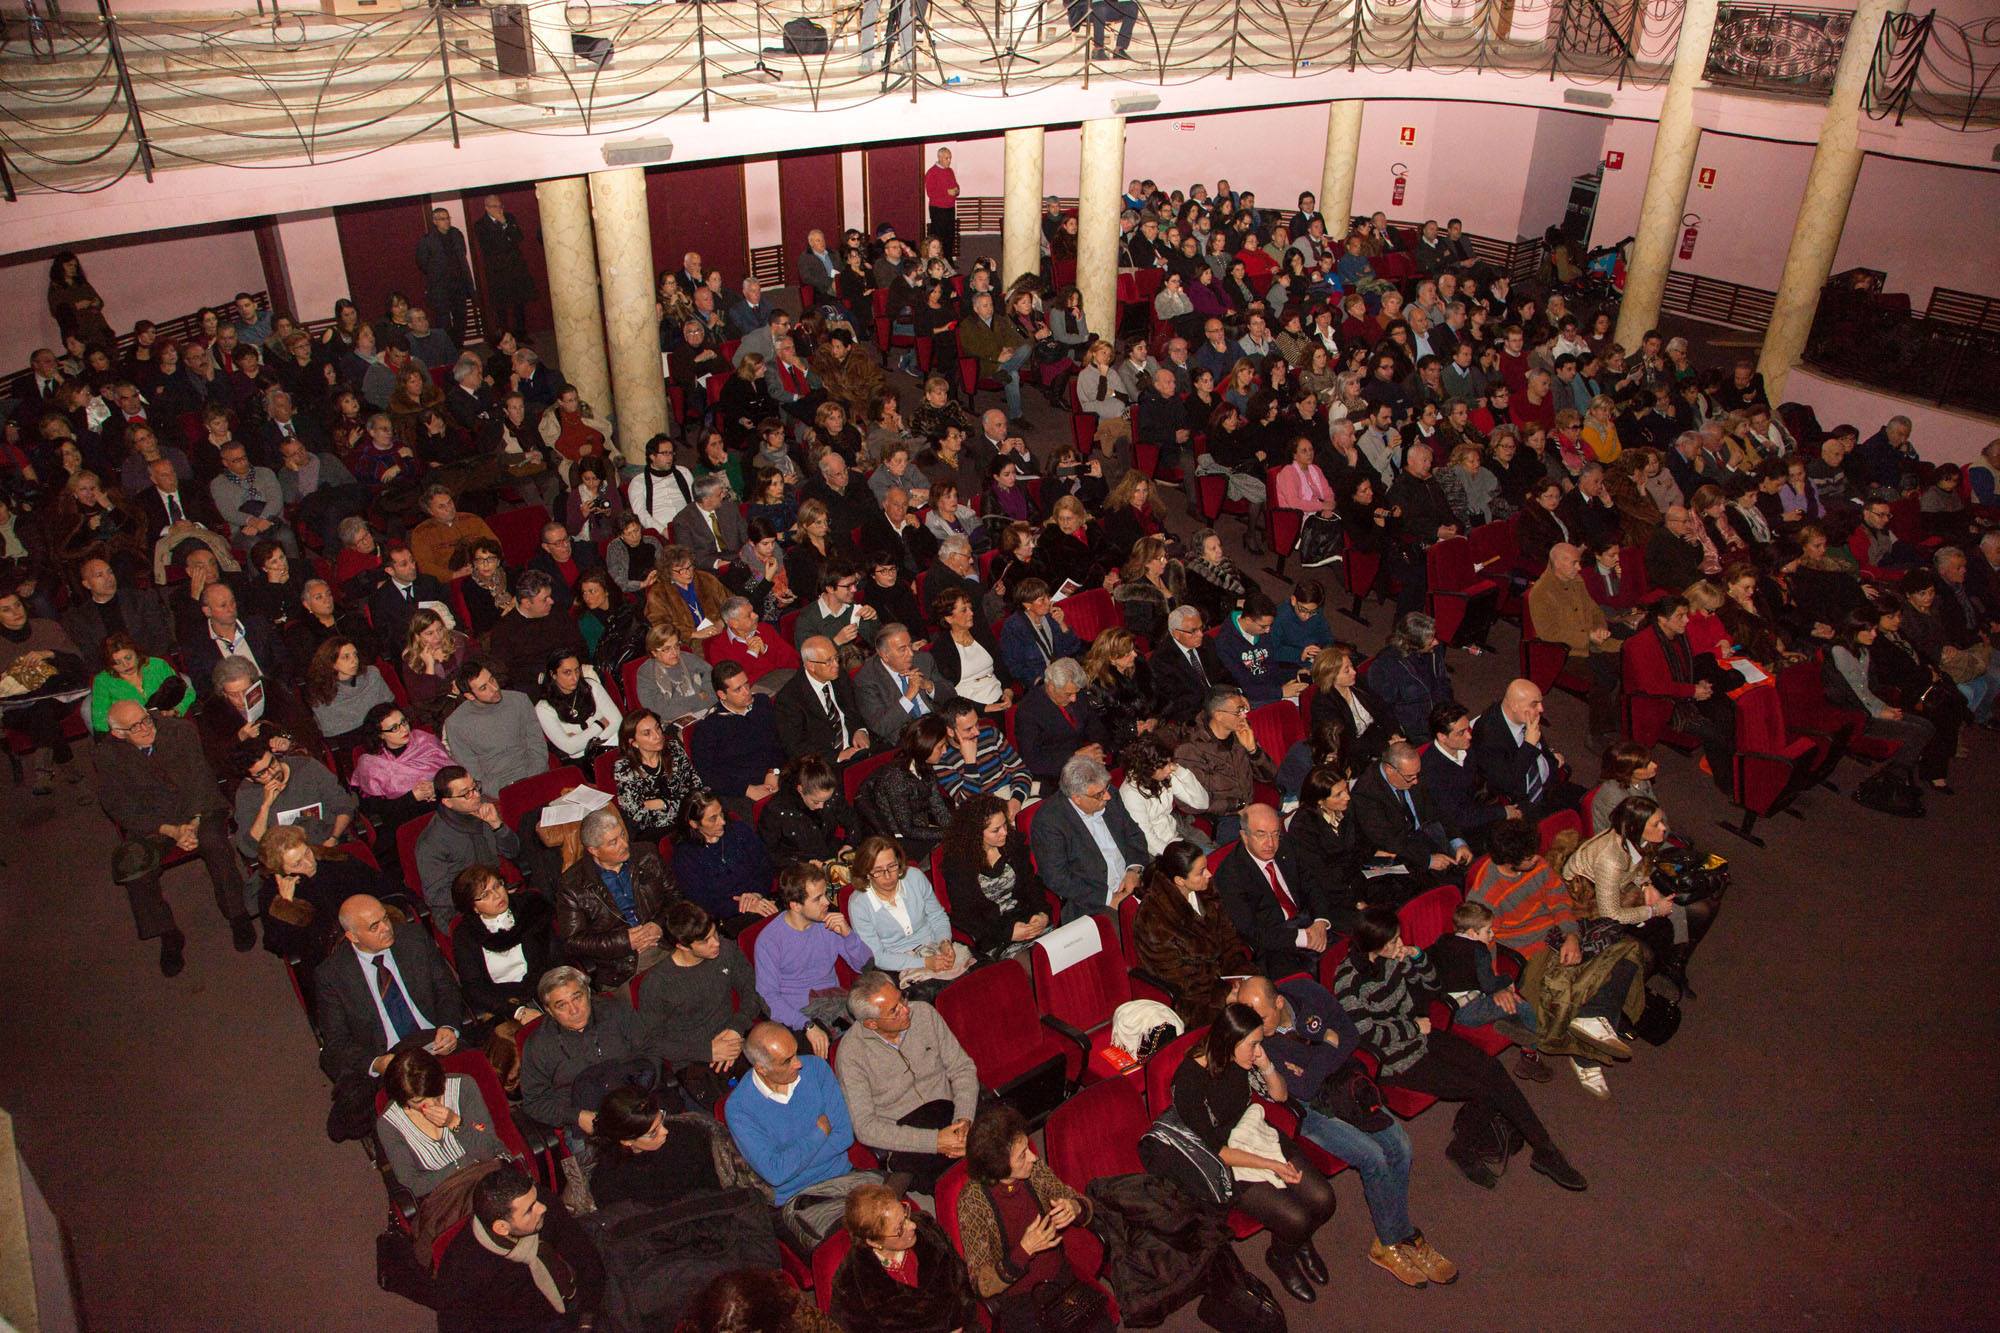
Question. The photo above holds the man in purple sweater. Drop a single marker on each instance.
(797, 953)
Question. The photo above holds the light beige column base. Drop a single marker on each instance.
(632, 332)
(1336, 178)
(570, 249)
(1021, 225)
(1098, 196)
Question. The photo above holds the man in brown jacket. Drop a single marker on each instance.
(1222, 751)
(1564, 613)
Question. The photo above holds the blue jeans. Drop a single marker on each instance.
(1483, 1009)
(1381, 1159)
(1009, 376)
(1981, 692)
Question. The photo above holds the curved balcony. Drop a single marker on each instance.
(86, 102)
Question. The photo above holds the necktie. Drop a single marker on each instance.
(1410, 805)
(833, 713)
(394, 1002)
(1536, 777)
(175, 513)
(1286, 903)
(918, 709)
(714, 531)
(1194, 660)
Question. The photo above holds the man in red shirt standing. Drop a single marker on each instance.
(941, 192)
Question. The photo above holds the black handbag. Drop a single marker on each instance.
(1349, 1094)
(1892, 791)
(1172, 1150)
(803, 37)
(1660, 1020)
(1689, 876)
(1065, 1304)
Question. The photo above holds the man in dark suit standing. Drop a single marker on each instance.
(401, 593)
(388, 984)
(1274, 909)
(1513, 759)
(224, 633)
(1452, 779)
(818, 712)
(1086, 845)
(157, 788)
(1185, 669)
(103, 608)
(1399, 824)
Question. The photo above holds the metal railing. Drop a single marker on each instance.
(1777, 48)
(85, 100)
(1944, 72)
(1877, 341)
(1714, 301)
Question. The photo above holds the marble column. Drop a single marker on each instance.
(1665, 202)
(571, 253)
(1099, 196)
(1836, 165)
(1021, 226)
(625, 274)
(1336, 177)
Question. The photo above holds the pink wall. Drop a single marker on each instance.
(1926, 225)
(1619, 197)
(1747, 214)
(1941, 436)
(139, 278)
(1567, 145)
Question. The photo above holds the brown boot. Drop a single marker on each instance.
(1400, 1260)
(1532, 1067)
(1436, 1267)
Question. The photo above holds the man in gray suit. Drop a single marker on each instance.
(711, 528)
(1086, 846)
(898, 685)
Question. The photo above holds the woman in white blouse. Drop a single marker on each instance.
(896, 914)
(1154, 783)
(966, 654)
(576, 713)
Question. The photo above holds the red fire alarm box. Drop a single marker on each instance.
(1614, 161)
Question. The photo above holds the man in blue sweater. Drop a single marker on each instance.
(790, 1121)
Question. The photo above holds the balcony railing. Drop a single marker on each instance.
(86, 100)
(1777, 48)
(1947, 355)
(1944, 72)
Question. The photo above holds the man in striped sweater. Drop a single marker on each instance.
(979, 761)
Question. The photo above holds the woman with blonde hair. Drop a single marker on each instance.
(432, 654)
(1070, 549)
(1131, 511)
(1600, 432)
(1339, 695)
(745, 402)
(303, 889)
(1120, 686)
(1098, 393)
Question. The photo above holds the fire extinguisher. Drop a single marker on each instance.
(1690, 229)
(1402, 174)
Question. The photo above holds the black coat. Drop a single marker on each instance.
(974, 913)
(1258, 917)
(1383, 822)
(793, 833)
(1368, 746)
(482, 1292)
(200, 654)
(389, 611)
(1455, 790)
(944, 652)
(350, 1028)
(144, 614)
(1330, 860)
(534, 932)
(804, 727)
(867, 1300)
(1179, 690)
(1503, 765)
(1046, 739)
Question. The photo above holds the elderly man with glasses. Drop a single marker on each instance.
(1222, 751)
(156, 786)
(1087, 847)
(1400, 826)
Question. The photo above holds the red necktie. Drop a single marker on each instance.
(1285, 901)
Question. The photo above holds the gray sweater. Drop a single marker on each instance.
(687, 688)
(448, 844)
(310, 785)
(884, 1082)
(476, 1142)
(686, 1007)
(499, 742)
(554, 1056)
(351, 702)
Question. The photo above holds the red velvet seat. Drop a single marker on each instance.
(1089, 613)
(1453, 585)
(987, 1009)
(519, 532)
(518, 798)
(1281, 525)
(857, 772)
(1363, 570)
(1546, 662)
(1080, 1000)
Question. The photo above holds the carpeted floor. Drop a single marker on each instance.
(1813, 1150)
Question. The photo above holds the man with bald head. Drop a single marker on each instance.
(1275, 910)
(383, 984)
(1675, 554)
(1565, 613)
(790, 1120)
(1310, 1038)
(226, 633)
(155, 784)
(818, 712)
(1515, 760)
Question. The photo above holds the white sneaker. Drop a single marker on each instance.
(1600, 1030)
(1592, 1078)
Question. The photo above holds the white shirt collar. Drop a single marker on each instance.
(782, 1096)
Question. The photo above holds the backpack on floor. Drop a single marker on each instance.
(1485, 1135)
(803, 37)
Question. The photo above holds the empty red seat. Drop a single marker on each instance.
(1022, 1063)
(1454, 584)
(1078, 1001)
